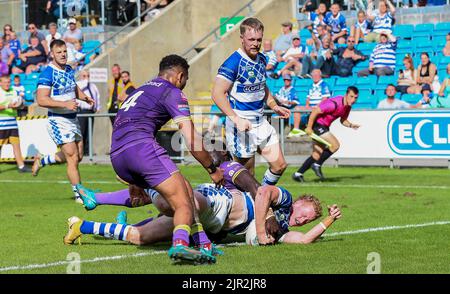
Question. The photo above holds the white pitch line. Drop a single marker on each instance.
(389, 228)
(65, 262)
(117, 257)
(284, 185)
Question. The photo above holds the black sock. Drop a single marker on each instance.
(325, 155)
(306, 165)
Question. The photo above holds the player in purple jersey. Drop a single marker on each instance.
(139, 160)
(319, 122)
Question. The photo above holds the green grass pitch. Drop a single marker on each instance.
(34, 213)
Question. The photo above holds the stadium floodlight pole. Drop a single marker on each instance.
(138, 7)
(103, 13)
(60, 12)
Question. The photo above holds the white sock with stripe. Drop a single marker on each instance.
(270, 178)
(107, 230)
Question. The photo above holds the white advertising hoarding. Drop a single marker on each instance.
(34, 139)
(395, 134)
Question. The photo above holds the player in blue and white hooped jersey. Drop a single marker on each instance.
(240, 92)
(58, 91)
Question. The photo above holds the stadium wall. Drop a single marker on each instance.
(11, 12)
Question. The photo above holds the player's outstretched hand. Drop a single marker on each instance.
(71, 105)
(334, 211)
(243, 124)
(217, 177)
(264, 239)
(281, 111)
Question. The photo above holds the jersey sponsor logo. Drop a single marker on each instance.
(250, 88)
(155, 84)
(423, 133)
(231, 173)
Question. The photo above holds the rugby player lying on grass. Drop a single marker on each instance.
(222, 210)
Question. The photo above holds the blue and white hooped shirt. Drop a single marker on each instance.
(62, 84)
(248, 78)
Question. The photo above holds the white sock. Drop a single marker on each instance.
(270, 178)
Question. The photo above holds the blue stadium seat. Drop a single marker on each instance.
(279, 83)
(270, 83)
(442, 75)
(343, 83)
(339, 92)
(423, 29)
(303, 83)
(330, 81)
(443, 61)
(404, 31)
(301, 95)
(280, 65)
(32, 76)
(386, 80)
(411, 98)
(423, 43)
(442, 27)
(366, 46)
(29, 94)
(368, 82)
(304, 34)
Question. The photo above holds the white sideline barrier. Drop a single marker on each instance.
(395, 134)
(34, 138)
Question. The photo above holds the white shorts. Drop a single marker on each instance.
(245, 144)
(64, 130)
(219, 202)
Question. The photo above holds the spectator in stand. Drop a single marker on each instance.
(318, 92)
(14, 45)
(325, 61)
(427, 97)
(336, 22)
(32, 58)
(35, 33)
(73, 34)
(347, 58)
(7, 56)
(286, 96)
(427, 73)
(115, 89)
(446, 50)
(75, 56)
(18, 87)
(362, 27)
(443, 98)
(52, 34)
(315, 17)
(406, 82)
(391, 102)
(283, 42)
(127, 87)
(271, 57)
(7, 29)
(382, 59)
(91, 90)
(297, 60)
(382, 20)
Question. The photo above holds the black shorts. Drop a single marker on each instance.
(10, 136)
(320, 129)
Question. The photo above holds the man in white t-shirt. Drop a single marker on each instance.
(52, 34)
(391, 102)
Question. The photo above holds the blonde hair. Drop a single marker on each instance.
(410, 60)
(251, 23)
(315, 202)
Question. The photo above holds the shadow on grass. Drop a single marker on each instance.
(338, 179)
